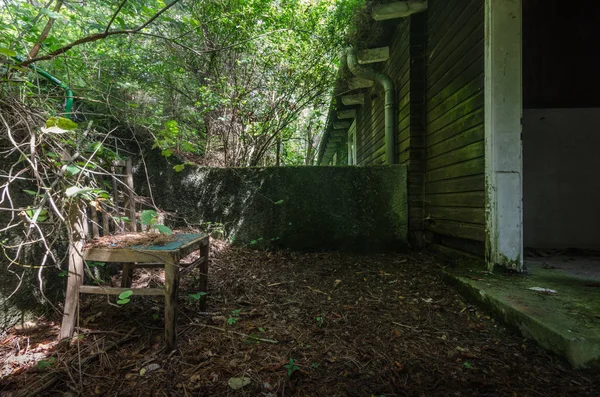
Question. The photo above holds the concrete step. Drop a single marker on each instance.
(566, 322)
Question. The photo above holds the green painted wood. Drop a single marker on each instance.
(178, 241)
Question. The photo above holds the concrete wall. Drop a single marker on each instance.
(304, 208)
(561, 189)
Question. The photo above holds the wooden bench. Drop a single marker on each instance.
(168, 256)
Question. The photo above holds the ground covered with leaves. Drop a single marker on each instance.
(287, 324)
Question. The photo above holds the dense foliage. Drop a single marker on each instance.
(223, 82)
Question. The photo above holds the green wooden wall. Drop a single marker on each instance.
(436, 62)
(370, 121)
(454, 176)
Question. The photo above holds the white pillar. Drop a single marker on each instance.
(503, 145)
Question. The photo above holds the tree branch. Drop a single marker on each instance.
(98, 36)
(112, 19)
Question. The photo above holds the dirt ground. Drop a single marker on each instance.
(291, 324)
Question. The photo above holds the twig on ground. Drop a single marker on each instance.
(237, 333)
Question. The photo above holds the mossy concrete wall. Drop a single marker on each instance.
(299, 208)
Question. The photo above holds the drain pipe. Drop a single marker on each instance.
(48, 76)
(390, 109)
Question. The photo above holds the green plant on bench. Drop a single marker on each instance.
(150, 218)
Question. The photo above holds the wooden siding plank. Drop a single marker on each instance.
(466, 199)
(472, 151)
(456, 141)
(449, 40)
(463, 70)
(462, 214)
(466, 107)
(438, 9)
(468, 121)
(455, 98)
(471, 183)
(466, 168)
(464, 230)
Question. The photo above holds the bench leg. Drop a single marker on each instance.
(203, 281)
(75, 277)
(171, 292)
(127, 275)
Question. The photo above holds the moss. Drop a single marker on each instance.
(302, 208)
(564, 323)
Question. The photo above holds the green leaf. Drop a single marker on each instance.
(73, 169)
(163, 229)
(147, 217)
(62, 123)
(50, 13)
(468, 365)
(75, 191)
(43, 364)
(196, 297)
(125, 294)
(8, 52)
(123, 301)
(278, 202)
(30, 192)
(167, 153)
(178, 167)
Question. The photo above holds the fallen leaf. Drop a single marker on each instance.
(195, 378)
(149, 368)
(238, 383)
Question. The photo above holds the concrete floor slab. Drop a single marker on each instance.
(566, 322)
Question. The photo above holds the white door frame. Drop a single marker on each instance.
(503, 144)
(352, 144)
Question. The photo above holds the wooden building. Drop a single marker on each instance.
(466, 75)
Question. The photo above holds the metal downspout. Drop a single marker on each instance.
(48, 76)
(390, 109)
